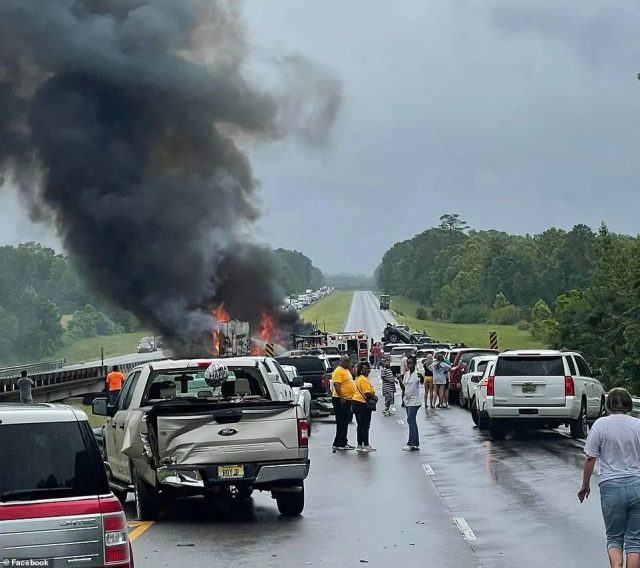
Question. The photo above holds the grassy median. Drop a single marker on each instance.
(84, 350)
(330, 313)
(472, 334)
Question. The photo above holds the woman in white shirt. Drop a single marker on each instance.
(615, 442)
(411, 399)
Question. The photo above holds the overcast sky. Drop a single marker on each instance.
(517, 115)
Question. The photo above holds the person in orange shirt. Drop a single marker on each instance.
(114, 384)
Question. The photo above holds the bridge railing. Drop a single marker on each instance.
(31, 368)
(49, 380)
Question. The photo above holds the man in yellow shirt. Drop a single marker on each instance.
(342, 393)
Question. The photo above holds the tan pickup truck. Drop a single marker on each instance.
(175, 432)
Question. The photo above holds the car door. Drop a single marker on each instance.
(118, 462)
(279, 380)
(593, 393)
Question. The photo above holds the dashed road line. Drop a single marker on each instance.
(428, 469)
(400, 421)
(464, 528)
(138, 528)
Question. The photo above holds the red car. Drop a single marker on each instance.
(459, 359)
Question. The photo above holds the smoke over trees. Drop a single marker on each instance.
(121, 122)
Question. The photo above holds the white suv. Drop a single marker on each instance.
(540, 389)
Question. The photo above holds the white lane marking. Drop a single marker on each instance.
(464, 528)
(428, 469)
(400, 421)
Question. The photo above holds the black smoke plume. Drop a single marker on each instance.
(120, 122)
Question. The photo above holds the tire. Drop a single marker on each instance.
(393, 337)
(498, 430)
(483, 422)
(475, 415)
(462, 400)
(290, 504)
(147, 499)
(579, 427)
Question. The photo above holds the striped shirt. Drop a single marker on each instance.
(388, 381)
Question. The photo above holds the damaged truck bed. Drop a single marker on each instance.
(174, 434)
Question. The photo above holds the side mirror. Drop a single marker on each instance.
(297, 382)
(101, 407)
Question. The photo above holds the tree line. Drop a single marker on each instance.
(576, 289)
(296, 273)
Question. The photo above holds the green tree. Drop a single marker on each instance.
(452, 222)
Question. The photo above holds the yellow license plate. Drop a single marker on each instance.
(230, 471)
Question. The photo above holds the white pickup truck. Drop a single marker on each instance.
(174, 433)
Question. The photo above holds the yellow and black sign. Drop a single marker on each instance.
(269, 349)
(493, 339)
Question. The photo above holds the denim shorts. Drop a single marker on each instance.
(620, 501)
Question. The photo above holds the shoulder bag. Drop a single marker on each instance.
(371, 400)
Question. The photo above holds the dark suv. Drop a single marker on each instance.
(312, 369)
(460, 359)
(55, 501)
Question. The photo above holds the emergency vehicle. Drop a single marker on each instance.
(355, 343)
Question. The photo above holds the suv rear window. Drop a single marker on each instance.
(466, 356)
(529, 367)
(48, 461)
(304, 364)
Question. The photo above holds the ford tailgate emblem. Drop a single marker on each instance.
(228, 432)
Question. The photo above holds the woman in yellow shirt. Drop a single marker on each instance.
(364, 390)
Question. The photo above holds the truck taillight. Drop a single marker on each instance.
(303, 434)
(323, 381)
(569, 387)
(491, 385)
(117, 550)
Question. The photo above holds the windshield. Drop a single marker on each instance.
(190, 384)
(48, 461)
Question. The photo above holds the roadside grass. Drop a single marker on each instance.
(330, 313)
(84, 350)
(473, 334)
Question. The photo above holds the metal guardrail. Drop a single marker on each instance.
(31, 368)
(50, 380)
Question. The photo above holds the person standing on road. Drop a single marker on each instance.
(429, 389)
(388, 386)
(403, 370)
(412, 403)
(364, 391)
(440, 369)
(614, 441)
(377, 351)
(25, 384)
(114, 384)
(342, 393)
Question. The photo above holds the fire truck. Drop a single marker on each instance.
(354, 343)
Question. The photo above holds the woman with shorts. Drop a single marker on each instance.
(614, 441)
(429, 389)
(440, 370)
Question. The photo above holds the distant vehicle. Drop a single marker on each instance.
(227, 435)
(329, 350)
(459, 359)
(472, 376)
(313, 369)
(396, 334)
(56, 499)
(302, 394)
(354, 343)
(146, 345)
(385, 301)
(397, 353)
(529, 389)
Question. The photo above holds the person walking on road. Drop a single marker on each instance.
(114, 384)
(429, 389)
(412, 403)
(25, 384)
(343, 390)
(388, 386)
(614, 441)
(364, 391)
(440, 369)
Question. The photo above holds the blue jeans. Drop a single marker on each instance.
(414, 439)
(620, 501)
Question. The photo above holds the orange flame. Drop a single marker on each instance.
(216, 342)
(255, 350)
(221, 314)
(267, 327)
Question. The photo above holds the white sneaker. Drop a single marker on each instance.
(369, 449)
(407, 448)
(386, 413)
(360, 448)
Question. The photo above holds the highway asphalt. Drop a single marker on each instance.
(461, 501)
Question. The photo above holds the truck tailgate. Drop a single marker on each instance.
(241, 434)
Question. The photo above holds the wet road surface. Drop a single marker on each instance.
(462, 501)
(365, 314)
